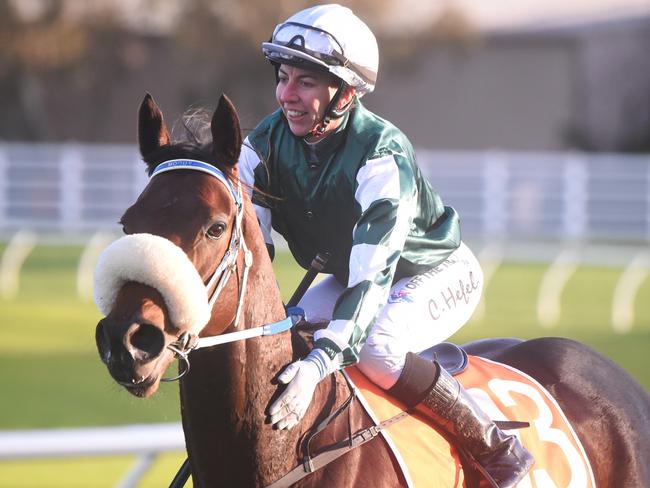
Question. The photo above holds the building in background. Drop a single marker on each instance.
(580, 85)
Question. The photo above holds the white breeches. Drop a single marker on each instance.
(421, 311)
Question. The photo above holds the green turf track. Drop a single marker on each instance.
(51, 375)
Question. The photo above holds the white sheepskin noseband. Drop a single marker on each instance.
(159, 263)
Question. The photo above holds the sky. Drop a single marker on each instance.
(505, 14)
(483, 14)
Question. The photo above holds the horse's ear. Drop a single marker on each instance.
(226, 133)
(152, 131)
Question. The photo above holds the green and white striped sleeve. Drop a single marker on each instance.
(386, 193)
(248, 162)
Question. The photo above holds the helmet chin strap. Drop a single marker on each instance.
(331, 112)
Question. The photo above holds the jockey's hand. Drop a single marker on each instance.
(301, 379)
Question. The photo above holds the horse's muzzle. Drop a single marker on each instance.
(130, 351)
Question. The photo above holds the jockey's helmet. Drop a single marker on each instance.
(328, 37)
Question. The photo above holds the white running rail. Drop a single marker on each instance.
(20, 245)
(145, 441)
(626, 292)
(549, 299)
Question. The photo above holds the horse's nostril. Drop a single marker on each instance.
(148, 341)
(102, 341)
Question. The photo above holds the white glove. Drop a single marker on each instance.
(301, 377)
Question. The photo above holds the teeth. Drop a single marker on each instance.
(294, 113)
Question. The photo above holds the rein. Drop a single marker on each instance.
(331, 453)
(188, 342)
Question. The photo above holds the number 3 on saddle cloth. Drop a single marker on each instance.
(504, 393)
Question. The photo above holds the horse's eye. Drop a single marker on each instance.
(216, 231)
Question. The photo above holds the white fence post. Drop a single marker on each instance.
(549, 300)
(87, 262)
(574, 218)
(495, 194)
(647, 205)
(491, 258)
(4, 184)
(20, 245)
(142, 465)
(140, 177)
(626, 291)
(71, 167)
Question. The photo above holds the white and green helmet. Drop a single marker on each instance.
(330, 37)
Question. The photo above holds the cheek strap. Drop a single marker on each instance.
(332, 112)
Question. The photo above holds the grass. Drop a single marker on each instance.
(91, 472)
(52, 377)
(511, 310)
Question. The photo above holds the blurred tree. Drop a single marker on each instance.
(72, 70)
(51, 64)
(77, 70)
(29, 49)
(222, 47)
(453, 25)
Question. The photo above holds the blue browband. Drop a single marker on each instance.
(194, 164)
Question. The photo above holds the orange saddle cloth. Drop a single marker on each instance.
(428, 460)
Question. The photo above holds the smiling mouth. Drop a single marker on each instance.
(294, 113)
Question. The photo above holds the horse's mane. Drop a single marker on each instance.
(190, 138)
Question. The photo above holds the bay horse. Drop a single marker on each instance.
(201, 214)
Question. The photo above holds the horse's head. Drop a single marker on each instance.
(151, 283)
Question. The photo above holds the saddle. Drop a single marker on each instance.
(510, 397)
(451, 357)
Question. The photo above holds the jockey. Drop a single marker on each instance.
(331, 176)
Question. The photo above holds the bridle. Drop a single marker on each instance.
(228, 263)
(188, 341)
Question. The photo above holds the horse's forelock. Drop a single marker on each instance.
(191, 138)
(193, 127)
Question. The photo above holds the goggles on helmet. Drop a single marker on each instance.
(293, 40)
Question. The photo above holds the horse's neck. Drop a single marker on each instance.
(227, 393)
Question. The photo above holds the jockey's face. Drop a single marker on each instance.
(303, 96)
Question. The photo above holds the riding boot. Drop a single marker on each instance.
(452, 408)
